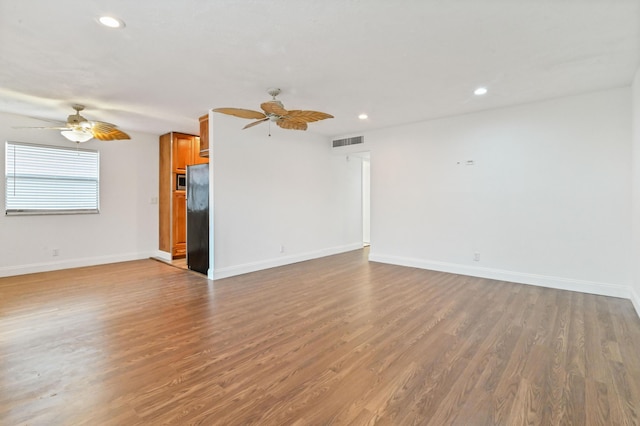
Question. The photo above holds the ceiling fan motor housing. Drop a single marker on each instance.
(75, 119)
(273, 91)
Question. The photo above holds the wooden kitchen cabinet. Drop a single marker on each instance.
(176, 153)
(197, 157)
(183, 147)
(204, 136)
(179, 224)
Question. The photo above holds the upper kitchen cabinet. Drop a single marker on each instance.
(204, 136)
(198, 158)
(183, 146)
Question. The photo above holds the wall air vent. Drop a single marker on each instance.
(348, 141)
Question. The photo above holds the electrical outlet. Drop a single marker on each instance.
(281, 249)
(55, 252)
(476, 256)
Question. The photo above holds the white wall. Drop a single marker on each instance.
(546, 201)
(636, 191)
(125, 229)
(287, 190)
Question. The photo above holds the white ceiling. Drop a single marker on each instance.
(399, 61)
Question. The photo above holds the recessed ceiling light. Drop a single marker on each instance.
(111, 22)
(480, 91)
(363, 116)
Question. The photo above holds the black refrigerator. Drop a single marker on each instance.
(198, 218)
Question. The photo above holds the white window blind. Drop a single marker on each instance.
(43, 179)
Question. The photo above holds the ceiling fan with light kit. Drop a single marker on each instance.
(274, 112)
(79, 129)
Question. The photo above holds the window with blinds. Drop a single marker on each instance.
(43, 179)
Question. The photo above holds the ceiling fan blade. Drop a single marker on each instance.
(273, 107)
(239, 112)
(254, 123)
(45, 128)
(112, 135)
(307, 116)
(49, 120)
(107, 131)
(290, 124)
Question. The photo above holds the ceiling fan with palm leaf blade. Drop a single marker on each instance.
(79, 129)
(274, 111)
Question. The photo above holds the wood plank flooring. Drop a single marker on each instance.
(336, 340)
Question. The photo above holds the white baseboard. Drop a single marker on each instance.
(560, 283)
(231, 271)
(31, 268)
(164, 255)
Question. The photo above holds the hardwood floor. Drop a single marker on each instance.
(335, 340)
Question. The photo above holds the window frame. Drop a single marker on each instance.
(60, 209)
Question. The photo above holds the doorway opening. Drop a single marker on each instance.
(366, 200)
(365, 194)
